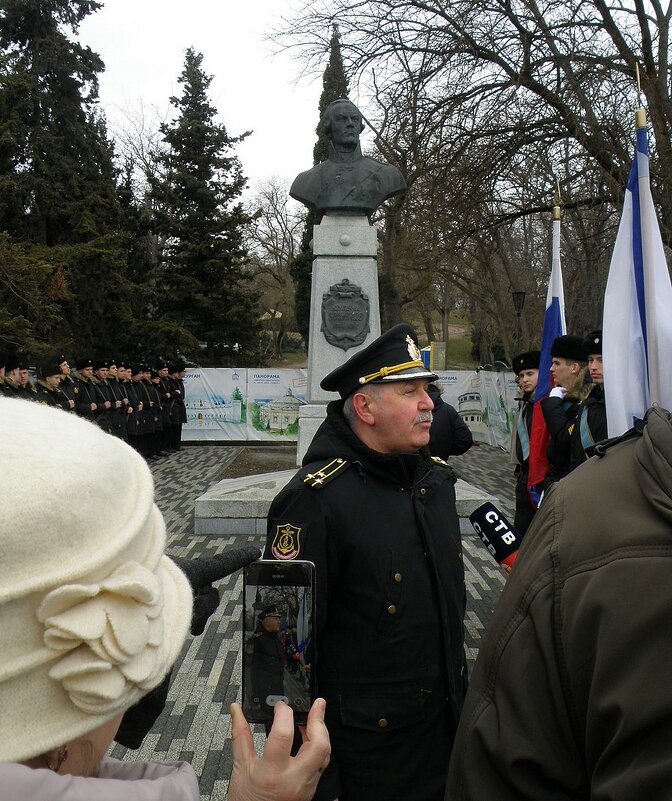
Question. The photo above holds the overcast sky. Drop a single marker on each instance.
(143, 43)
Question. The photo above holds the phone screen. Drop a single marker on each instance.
(278, 641)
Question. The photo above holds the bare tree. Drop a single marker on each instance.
(273, 239)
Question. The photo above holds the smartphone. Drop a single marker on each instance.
(278, 638)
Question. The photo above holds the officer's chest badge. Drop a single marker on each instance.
(286, 543)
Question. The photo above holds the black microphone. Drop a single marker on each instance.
(497, 534)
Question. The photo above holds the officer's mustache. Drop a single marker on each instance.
(424, 417)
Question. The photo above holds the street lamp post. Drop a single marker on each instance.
(518, 303)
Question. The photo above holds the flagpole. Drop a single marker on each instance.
(554, 326)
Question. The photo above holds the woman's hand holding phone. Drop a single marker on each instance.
(276, 775)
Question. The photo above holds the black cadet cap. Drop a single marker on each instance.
(394, 356)
(593, 343)
(526, 361)
(101, 364)
(569, 347)
(13, 363)
(82, 364)
(50, 367)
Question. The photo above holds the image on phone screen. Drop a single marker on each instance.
(278, 638)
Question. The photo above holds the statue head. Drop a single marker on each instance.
(342, 123)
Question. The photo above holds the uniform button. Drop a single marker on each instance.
(382, 723)
(397, 577)
(392, 609)
(423, 491)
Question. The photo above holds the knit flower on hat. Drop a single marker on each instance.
(111, 635)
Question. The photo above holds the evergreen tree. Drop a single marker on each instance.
(58, 201)
(334, 86)
(205, 303)
(57, 182)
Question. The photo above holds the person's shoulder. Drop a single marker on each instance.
(442, 467)
(319, 474)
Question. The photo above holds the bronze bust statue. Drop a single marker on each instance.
(347, 182)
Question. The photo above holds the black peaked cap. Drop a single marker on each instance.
(394, 356)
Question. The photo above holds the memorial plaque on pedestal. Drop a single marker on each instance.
(345, 315)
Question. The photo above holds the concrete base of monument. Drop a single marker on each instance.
(239, 506)
(310, 419)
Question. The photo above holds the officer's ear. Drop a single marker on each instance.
(362, 406)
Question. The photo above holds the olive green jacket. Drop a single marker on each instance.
(571, 696)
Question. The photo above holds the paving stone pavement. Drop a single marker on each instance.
(195, 724)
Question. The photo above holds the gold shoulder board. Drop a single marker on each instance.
(318, 478)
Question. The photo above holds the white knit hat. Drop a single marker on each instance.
(92, 614)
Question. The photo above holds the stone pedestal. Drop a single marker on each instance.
(345, 253)
(239, 506)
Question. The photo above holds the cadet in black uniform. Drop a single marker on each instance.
(84, 391)
(3, 364)
(119, 413)
(104, 397)
(526, 367)
(26, 387)
(47, 389)
(10, 385)
(67, 385)
(168, 400)
(178, 412)
(561, 407)
(592, 415)
(376, 514)
(134, 422)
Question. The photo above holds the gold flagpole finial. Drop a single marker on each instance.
(557, 200)
(640, 113)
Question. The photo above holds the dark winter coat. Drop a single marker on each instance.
(178, 412)
(85, 394)
(384, 535)
(591, 425)
(51, 396)
(520, 451)
(570, 698)
(560, 416)
(449, 434)
(67, 387)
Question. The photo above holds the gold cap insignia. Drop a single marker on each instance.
(413, 349)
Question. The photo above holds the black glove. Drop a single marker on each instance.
(139, 719)
(202, 572)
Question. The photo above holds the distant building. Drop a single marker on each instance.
(470, 407)
(282, 412)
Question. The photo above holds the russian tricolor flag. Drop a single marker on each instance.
(637, 325)
(554, 326)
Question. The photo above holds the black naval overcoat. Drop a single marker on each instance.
(264, 652)
(384, 535)
(85, 394)
(51, 396)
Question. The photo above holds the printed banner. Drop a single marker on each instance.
(215, 398)
(485, 400)
(263, 404)
(274, 399)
